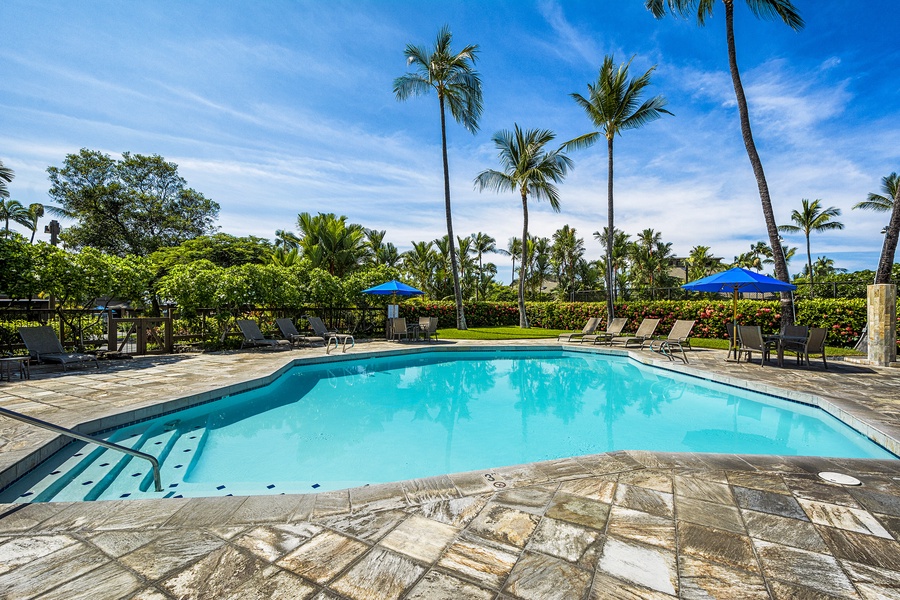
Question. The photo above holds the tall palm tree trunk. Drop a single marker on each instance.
(610, 290)
(781, 272)
(454, 265)
(523, 318)
(812, 286)
(886, 262)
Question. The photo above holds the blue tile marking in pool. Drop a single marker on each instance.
(335, 425)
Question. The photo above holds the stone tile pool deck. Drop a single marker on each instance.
(619, 525)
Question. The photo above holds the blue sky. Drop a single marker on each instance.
(276, 108)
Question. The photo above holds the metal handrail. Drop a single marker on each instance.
(157, 482)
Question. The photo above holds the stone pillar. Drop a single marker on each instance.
(882, 315)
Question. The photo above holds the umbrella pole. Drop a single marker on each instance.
(734, 323)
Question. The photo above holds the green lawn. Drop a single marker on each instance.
(515, 333)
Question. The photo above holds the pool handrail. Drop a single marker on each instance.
(157, 482)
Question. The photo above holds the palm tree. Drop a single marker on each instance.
(568, 249)
(421, 263)
(458, 86)
(529, 169)
(890, 201)
(701, 263)
(35, 212)
(612, 106)
(812, 217)
(619, 255)
(330, 242)
(767, 9)
(482, 243)
(13, 210)
(514, 250)
(6, 176)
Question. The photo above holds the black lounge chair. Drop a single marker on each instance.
(44, 346)
(253, 337)
(289, 331)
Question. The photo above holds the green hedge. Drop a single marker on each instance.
(844, 318)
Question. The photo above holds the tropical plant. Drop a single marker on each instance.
(613, 106)
(890, 201)
(528, 169)
(482, 244)
(6, 176)
(568, 250)
(458, 86)
(812, 217)
(421, 263)
(619, 257)
(13, 210)
(701, 263)
(329, 242)
(766, 9)
(513, 250)
(35, 212)
(541, 268)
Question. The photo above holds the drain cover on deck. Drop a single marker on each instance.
(839, 478)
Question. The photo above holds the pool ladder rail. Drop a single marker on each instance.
(157, 481)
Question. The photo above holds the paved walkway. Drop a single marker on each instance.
(619, 525)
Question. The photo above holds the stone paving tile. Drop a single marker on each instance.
(430, 489)
(782, 530)
(541, 577)
(857, 547)
(758, 481)
(273, 542)
(697, 511)
(810, 487)
(640, 565)
(658, 480)
(788, 591)
(271, 583)
(880, 502)
(57, 568)
(323, 556)
(803, 568)
(119, 543)
(331, 503)
(874, 578)
(843, 517)
(440, 586)
(601, 489)
(19, 551)
(420, 539)
(504, 525)
(533, 499)
(579, 510)
(704, 579)
(205, 512)
(266, 509)
(709, 491)
(478, 562)
(769, 502)
(716, 545)
(369, 527)
(562, 540)
(150, 594)
(171, 552)
(605, 587)
(457, 512)
(108, 581)
(645, 500)
(638, 526)
(380, 575)
(219, 574)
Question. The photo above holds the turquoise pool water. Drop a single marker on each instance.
(330, 426)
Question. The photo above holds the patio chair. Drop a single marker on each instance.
(44, 346)
(678, 338)
(254, 338)
(399, 328)
(643, 334)
(614, 328)
(428, 326)
(297, 339)
(813, 344)
(589, 328)
(751, 340)
(318, 327)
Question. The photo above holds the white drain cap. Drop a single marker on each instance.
(839, 478)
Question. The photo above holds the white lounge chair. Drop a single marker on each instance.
(589, 328)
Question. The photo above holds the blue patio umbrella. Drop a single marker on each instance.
(738, 280)
(393, 288)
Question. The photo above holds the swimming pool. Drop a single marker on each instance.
(341, 424)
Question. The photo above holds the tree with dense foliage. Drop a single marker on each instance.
(766, 9)
(613, 106)
(812, 217)
(458, 87)
(701, 263)
(421, 264)
(35, 212)
(220, 249)
(568, 250)
(888, 201)
(134, 205)
(528, 168)
(619, 257)
(483, 244)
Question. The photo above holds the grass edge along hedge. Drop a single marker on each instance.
(843, 317)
